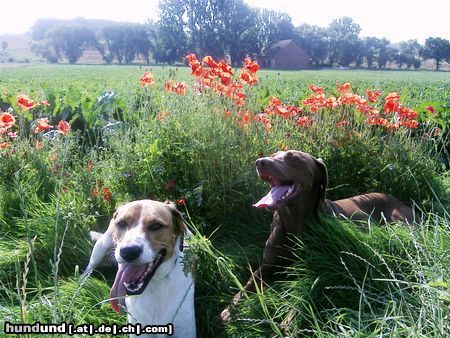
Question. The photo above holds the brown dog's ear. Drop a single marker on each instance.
(179, 222)
(178, 219)
(324, 178)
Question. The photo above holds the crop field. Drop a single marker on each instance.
(78, 141)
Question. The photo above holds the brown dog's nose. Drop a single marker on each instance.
(130, 252)
(261, 162)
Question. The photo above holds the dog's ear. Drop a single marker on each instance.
(178, 219)
(324, 177)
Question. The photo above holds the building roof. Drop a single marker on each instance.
(274, 48)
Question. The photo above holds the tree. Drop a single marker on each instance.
(437, 49)
(239, 30)
(371, 45)
(4, 46)
(384, 52)
(314, 40)
(171, 43)
(343, 41)
(409, 54)
(46, 50)
(272, 26)
(125, 42)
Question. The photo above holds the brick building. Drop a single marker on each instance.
(284, 54)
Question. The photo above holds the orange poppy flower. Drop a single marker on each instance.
(191, 58)
(391, 106)
(431, 109)
(107, 195)
(42, 125)
(210, 61)
(248, 78)
(161, 116)
(225, 79)
(303, 121)
(4, 145)
(6, 120)
(25, 103)
(316, 89)
(38, 145)
(343, 88)
(373, 95)
(168, 86)
(146, 79)
(392, 96)
(179, 88)
(63, 127)
(250, 65)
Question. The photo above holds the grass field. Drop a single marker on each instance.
(198, 149)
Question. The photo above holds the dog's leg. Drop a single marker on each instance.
(103, 244)
(274, 256)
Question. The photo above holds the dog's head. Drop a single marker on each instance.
(291, 174)
(143, 234)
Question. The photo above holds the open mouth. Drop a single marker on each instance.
(132, 279)
(281, 192)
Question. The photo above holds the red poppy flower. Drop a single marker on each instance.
(64, 127)
(146, 79)
(373, 95)
(343, 88)
(303, 121)
(42, 125)
(431, 109)
(316, 89)
(25, 103)
(107, 195)
(7, 120)
(4, 145)
(181, 202)
(250, 65)
(179, 88)
(392, 96)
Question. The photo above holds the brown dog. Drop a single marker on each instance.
(298, 182)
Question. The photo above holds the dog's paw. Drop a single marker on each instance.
(225, 315)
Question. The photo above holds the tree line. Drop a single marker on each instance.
(226, 27)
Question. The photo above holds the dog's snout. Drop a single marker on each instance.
(130, 252)
(260, 162)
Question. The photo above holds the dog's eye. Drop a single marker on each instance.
(122, 225)
(155, 226)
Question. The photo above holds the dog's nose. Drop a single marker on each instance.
(260, 162)
(130, 252)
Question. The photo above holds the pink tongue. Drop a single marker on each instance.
(273, 197)
(126, 273)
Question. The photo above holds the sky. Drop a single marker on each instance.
(397, 20)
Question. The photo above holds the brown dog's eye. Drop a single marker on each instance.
(122, 225)
(155, 226)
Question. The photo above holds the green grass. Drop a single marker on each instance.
(349, 279)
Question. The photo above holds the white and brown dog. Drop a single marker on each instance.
(152, 284)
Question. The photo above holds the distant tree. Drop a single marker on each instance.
(171, 42)
(371, 46)
(409, 54)
(343, 41)
(437, 49)
(42, 26)
(71, 40)
(239, 30)
(314, 40)
(272, 26)
(46, 50)
(4, 46)
(384, 53)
